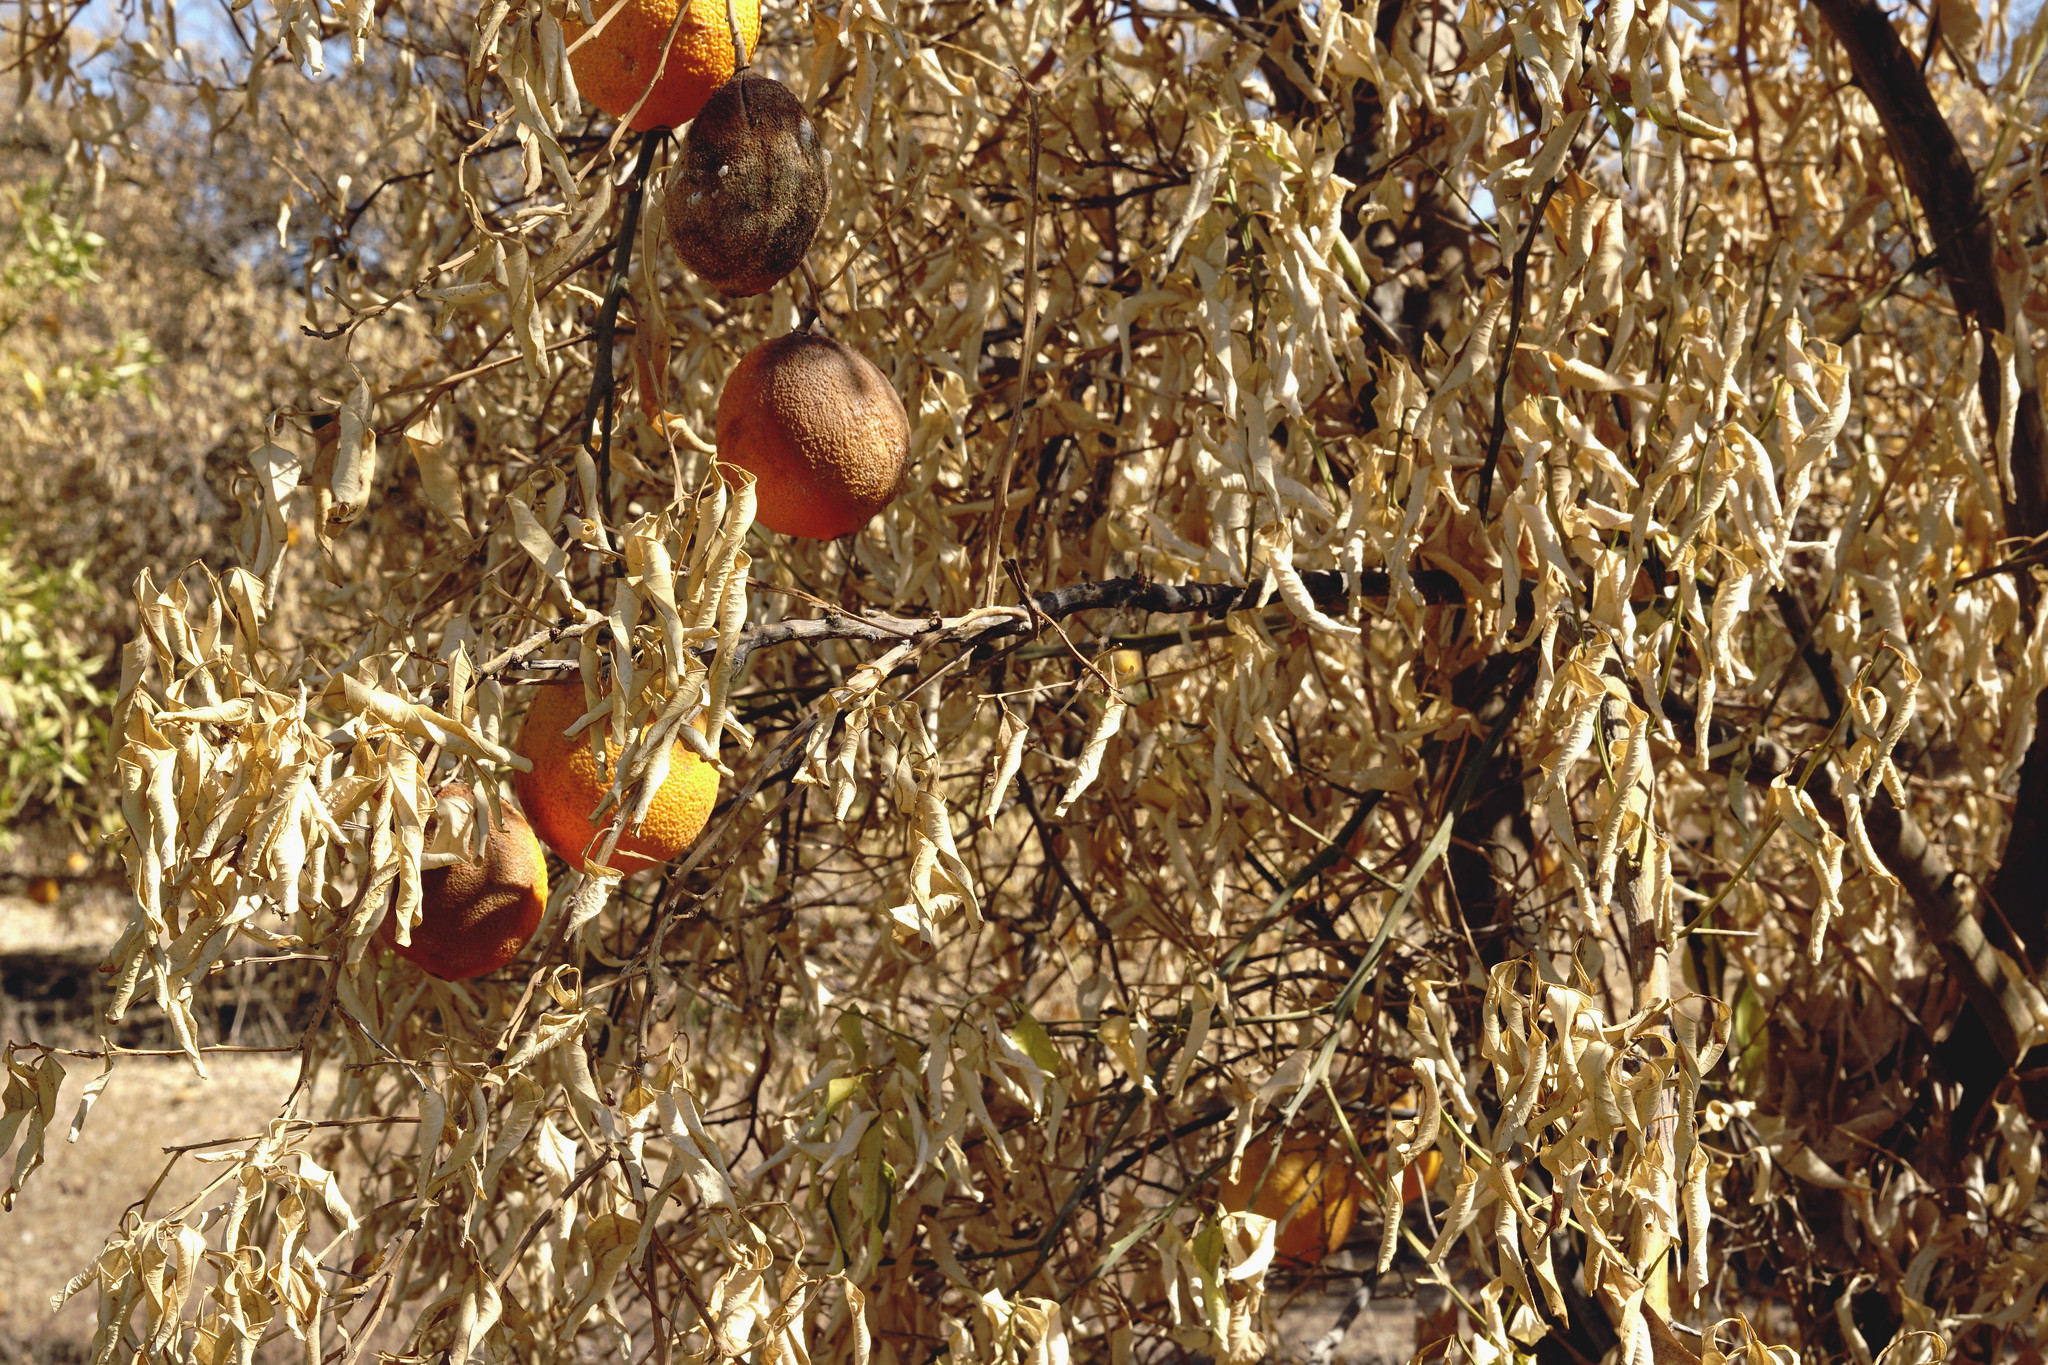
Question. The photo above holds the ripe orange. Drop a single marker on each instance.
(820, 429)
(565, 787)
(619, 62)
(475, 916)
(43, 891)
(1309, 1189)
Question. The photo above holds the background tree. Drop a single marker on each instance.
(1465, 589)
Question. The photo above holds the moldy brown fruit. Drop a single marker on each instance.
(820, 429)
(746, 198)
(476, 915)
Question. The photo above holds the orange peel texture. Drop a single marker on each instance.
(566, 785)
(617, 63)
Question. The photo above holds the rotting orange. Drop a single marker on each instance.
(617, 60)
(744, 201)
(822, 431)
(476, 915)
(565, 786)
(1309, 1188)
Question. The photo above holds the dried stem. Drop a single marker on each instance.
(1517, 293)
(1027, 353)
(740, 55)
(603, 382)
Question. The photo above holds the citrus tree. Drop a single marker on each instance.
(1423, 663)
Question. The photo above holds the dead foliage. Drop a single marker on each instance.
(1466, 583)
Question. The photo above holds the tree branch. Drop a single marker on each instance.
(1945, 186)
(1940, 898)
(1943, 182)
(1325, 586)
(1516, 291)
(603, 383)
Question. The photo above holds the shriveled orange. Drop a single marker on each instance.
(1309, 1188)
(565, 786)
(822, 431)
(744, 202)
(619, 60)
(476, 915)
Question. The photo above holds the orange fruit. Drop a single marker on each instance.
(1309, 1189)
(620, 60)
(43, 890)
(475, 916)
(820, 429)
(565, 787)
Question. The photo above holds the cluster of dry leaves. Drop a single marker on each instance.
(1611, 627)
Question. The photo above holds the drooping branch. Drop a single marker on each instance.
(603, 383)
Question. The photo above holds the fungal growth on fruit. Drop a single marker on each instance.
(475, 915)
(747, 196)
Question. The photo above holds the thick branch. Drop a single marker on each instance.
(1943, 182)
(1949, 918)
(1941, 899)
(1926, 149)
(1945, 186)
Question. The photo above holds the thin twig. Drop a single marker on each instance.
(1026, 353)
(1080, 897)
(739, 44)
(304, 1124)
(1517, 291)
(542, 1218)
(814, 307)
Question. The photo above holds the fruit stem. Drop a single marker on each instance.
(739, 44)
(814, 308)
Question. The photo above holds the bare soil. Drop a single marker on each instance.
(60, 1221)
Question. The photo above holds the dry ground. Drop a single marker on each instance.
(59, 1222)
